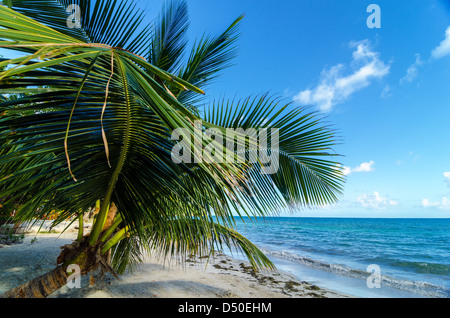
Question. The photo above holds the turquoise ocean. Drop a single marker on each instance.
(375, 258)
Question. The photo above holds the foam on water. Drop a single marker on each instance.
(413, 254)
(417, 288)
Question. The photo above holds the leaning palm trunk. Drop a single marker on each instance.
(87, 257)
(40, 287)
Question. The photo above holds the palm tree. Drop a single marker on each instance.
(95, 126)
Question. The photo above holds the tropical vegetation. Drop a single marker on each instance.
(91, 124)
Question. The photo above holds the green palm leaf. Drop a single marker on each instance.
(115, 23)
(170, 37)
(208, 58)
(307, 175)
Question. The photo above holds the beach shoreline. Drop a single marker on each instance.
(219, 277)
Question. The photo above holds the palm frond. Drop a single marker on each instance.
(169, 40)
(111, 22)
(186, 237)
(306, 175)
(208, 58)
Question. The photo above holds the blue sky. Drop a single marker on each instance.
(385, 90)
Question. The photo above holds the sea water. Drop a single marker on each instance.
(404, 257)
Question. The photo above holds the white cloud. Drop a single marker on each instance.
(335, 88)
(346, 170)
(409, 158)
(364, 167)
(375, 201)
(412, 72)
(387, 91)
(442, 49)
(444, 204)
(426, 203)
(447, 178)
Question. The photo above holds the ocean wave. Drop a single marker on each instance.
(425, 268)
(425, 289)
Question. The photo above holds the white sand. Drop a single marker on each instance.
(222, 277)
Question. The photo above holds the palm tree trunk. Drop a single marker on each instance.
(40, 287)
(81, 253)
(16, 226)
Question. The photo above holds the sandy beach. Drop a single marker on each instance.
(220, 277)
